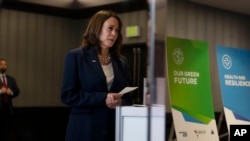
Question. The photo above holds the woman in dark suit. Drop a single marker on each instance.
(92, 78)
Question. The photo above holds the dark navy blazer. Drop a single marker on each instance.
(84, 88)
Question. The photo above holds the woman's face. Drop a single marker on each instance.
(109, 32)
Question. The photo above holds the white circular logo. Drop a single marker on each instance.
(226, 61)
(178, 56)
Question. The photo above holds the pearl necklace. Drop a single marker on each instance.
(105, 60)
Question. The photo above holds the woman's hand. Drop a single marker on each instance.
(113, 100)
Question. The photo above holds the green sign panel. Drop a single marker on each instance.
(189, 83)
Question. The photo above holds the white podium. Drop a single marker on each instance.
(132, 123)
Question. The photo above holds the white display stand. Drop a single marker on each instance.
(132, 123)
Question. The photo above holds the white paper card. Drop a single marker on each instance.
(127, 90)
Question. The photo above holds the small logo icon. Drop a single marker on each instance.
(178, 56)
(199, 132)
(212, 131)
(183, 133)
(226, 61)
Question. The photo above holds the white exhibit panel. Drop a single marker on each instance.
(132, 123)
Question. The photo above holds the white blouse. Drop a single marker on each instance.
(108, 71)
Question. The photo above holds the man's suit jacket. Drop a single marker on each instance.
(11, 83)
(84, 88)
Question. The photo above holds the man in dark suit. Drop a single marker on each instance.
(8, 90)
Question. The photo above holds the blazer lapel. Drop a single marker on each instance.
(92, 60)
(1, 82)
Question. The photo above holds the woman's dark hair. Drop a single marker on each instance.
(93, 31)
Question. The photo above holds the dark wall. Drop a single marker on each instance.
(137, 55)
(39, 124)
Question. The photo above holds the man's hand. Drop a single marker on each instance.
(5, 90)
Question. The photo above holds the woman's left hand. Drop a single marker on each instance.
(113, 100)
